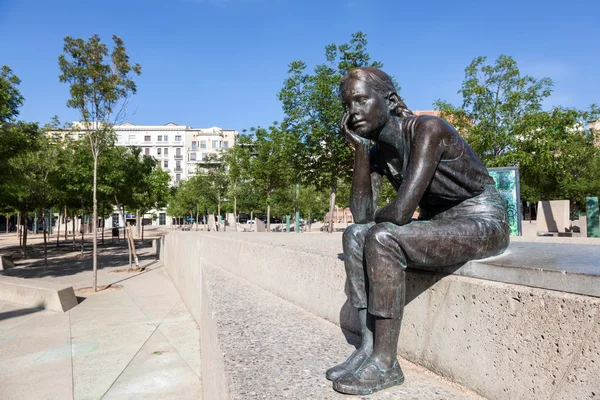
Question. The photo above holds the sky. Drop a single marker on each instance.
(222, 62)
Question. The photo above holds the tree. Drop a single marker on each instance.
(37, 171)
(152, 192)
(313, 110)
(266, 163)
(100, 87)
(20, 140)
(216, 172)
(10, 97)
(495, 98)
(12, 138)
(557, 156)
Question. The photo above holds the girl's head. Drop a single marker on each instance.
(381, 83)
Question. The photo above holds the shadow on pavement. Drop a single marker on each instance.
(18, 313)
(60, 263)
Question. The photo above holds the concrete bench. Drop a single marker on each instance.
(37, 294)
(521, 325)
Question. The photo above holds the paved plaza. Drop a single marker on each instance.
(134, 341)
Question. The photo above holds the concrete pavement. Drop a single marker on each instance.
(138, 341)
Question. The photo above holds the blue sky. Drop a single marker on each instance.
(221, 62)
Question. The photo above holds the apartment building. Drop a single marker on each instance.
(178, 149)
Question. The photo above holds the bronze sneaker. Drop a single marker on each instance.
(353, 363)
(368, 379)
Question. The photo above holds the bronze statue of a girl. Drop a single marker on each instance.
(462, 217)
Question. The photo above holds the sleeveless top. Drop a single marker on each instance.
(455, 179)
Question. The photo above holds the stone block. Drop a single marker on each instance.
(553, 216)
(6, 262)
(212, 224)
(37, 294)
(260, 226)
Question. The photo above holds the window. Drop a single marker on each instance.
(202, 156)
(177, 178)
(166, 151)
(158, 150)
(147, 151)
(225, 144)
(166, 164)
(215, 144)
(162, 218)
(159, 138)
(178, 165)
(203, 144)
(147, 138)
(131, 138)
(194, 145)
(192, 156)
(166, 137)
(178, 138)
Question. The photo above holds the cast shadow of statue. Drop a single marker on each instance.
(418, 281)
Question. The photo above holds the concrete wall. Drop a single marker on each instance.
(501, 340)
(182, 257)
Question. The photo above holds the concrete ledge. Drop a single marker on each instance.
(502, 340)
(38, 294)
(6, 262)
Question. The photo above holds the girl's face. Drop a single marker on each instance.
(367, 109)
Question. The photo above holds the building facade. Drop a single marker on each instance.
(178, 149)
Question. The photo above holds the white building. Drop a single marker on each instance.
(178, 149)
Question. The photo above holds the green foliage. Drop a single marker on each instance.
(495, 98)
(17, 142)
(99, 84)
(557, 156)
(313, 110)
(10, 97)
(502, 119)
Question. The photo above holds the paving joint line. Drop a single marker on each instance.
(144, 344)
(175, 348)
(72, 355)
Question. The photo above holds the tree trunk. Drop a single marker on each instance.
(235, 215)
(103, 214)
(137, 222)
(44, 230)
(269, 212)
(219, 210)
(332, 205)
(73, 216)
(126, 234)
(309, 221)
(58, 229)
(66, 230)
(82, 230)
(24, 216)
(19, 227)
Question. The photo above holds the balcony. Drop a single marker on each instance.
(179, 156)
(178, 169)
